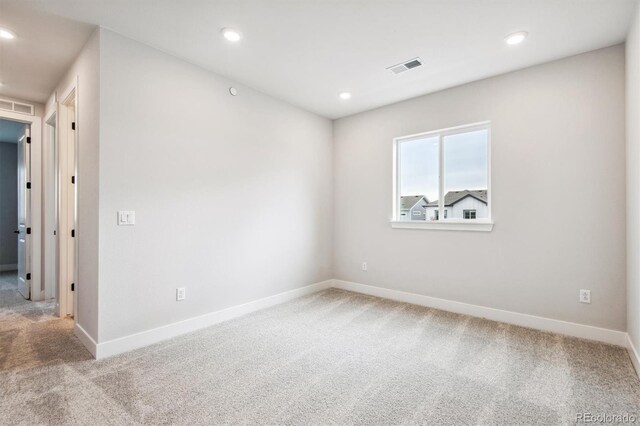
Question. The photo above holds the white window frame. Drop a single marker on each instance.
(470, 211)
(484, 224)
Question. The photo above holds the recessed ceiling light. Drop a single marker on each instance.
(345, 95)
(7, 34)
(231, 34)
(516, 38)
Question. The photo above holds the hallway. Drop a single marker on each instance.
(30, 333)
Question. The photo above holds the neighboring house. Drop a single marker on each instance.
(464, 204)
(413, 207)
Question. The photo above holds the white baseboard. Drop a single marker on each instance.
(613, 337)
(9, 267)
(86, 340)
(633, 354)
(146, 338)
(149, 337)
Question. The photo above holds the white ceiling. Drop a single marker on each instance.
(10, 131)
(32, 64)
(306, 51)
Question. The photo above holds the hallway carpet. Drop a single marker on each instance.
(333, 357)
(30, 333)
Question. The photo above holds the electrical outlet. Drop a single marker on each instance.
(364, 266)
(585, 296)
(180, 293)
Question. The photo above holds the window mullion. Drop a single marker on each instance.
(397, 203)
(440, 177)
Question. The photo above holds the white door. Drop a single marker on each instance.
(24, 214)
(66, 228)
(71, 213)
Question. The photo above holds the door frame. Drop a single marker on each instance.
(67, 301)
(50, 268)
(35, 193)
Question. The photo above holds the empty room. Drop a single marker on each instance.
(319, 212)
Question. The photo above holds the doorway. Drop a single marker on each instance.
(66, 183)
(43, 223)
(24, 210)
(16, 221)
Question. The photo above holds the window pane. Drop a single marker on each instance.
(418, 178)
(465, 175)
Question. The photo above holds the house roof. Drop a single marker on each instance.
(452, 197)
(408, 201)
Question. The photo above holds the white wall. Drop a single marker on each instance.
(633, 181)
(86, 70)
(213, 180)
(557, 137)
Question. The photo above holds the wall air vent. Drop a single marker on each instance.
(405, 66)
(19, 107)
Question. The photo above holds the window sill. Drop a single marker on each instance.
(448, 225)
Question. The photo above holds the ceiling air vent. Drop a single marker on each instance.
(18, 107)
(405, 66)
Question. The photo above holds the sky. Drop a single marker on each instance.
(465, 164)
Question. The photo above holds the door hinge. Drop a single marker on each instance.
(73, 179)
(29, 276)
(28, 230)
(73, 287)
(73, 125)
(28, 139)
(28, 185)
(55, 233)
(73, 233)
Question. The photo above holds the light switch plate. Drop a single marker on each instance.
(126, 217)
(181, 293)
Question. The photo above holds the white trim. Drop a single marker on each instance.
(66, 93)
(49, 205)
(67, 269)
(444, 225)
(149, 337)
(441, 192)
(155, 335)
(9, 267)
(448, 131)
(633, 354)
(442, 133)
(86, 339)
(613, 337)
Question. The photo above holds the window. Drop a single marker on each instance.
(416, 213)
(450, 169)
(419, 160)
(436, 215)
(469, 214)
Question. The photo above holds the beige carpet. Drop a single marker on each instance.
(30, 333)
(330, 358)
